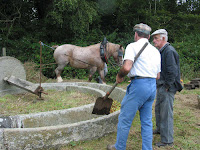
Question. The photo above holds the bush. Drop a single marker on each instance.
(28, 49)
(189, 52)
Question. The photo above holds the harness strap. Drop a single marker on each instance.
(103, 50)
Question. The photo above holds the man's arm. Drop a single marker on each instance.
(171, 69)
(124, 70)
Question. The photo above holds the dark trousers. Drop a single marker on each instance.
(164, 114)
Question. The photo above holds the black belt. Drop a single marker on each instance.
(138, 77)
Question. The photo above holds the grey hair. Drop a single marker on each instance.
(165, 36)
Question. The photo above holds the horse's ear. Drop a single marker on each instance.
(121, 47)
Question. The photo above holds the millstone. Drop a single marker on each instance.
(10, 66)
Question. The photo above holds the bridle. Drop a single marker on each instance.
(120, 54)
(104, 47)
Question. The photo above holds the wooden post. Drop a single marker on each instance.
(4, 51)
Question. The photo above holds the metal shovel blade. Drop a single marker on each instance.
(102, 106)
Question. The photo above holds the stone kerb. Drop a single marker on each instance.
(59, 117)
(57, 135)
(117, 94)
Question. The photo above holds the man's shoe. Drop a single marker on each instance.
(159, 144)
(111, 147)
(100, 81)
(97, 79)
(156, 132)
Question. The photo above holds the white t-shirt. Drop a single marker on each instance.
(148, 63)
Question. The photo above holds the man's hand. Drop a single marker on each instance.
(158, 76)
(124, 70)
(118, 79)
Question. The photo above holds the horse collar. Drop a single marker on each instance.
(103, 50)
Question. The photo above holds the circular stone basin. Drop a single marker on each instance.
(55, 128)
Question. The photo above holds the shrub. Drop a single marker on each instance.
(189, 52)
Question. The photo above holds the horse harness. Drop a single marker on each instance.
(103, 50)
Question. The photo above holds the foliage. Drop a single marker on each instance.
(85, 22)
(189, 52)
(82, 14)
(70, 72)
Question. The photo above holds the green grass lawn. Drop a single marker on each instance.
(55, 100)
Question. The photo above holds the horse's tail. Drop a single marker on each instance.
(54, 46)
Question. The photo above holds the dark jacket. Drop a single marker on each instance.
(170, 69)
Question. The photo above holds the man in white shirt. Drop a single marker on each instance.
(141, 92)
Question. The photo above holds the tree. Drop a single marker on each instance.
(9, 14)
(74, 17)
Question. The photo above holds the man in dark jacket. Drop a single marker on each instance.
(167, 86)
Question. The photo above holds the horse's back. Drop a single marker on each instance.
(85, 54)
(66, 47)
(88, 50)
(77, 50)
(63, 48)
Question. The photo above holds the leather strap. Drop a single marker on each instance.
(138, 54)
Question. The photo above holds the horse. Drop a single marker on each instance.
(86, 58)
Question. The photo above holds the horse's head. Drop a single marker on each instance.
(118, 54)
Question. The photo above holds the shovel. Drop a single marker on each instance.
(103, 104)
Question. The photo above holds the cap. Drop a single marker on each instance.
(142, 28)
(160, 31)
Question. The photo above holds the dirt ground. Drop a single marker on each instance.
(189, 101)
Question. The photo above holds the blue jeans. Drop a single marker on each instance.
(164, 114)
(140, 95)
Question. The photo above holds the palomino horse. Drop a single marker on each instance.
(86, 58)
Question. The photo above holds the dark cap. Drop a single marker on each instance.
(142, 28)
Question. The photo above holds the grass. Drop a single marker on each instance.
(55, 100)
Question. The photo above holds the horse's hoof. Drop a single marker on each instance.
(59, 80)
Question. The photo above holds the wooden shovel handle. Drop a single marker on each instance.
(109, 92)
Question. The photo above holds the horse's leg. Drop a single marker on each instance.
(58, 72)
(101, 73)
(92, 71)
